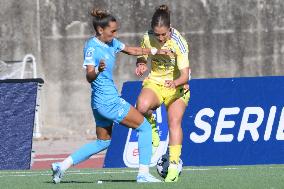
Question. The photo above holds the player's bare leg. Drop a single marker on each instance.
(175, 114)
(146, 103)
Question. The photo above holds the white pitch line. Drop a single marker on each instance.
(49, 159)
(48, 173)
(68, 172)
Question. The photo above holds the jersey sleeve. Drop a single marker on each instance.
(118, 45)
(182, 54)
(182, 60)
(89, 55)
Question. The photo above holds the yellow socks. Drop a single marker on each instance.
(175, 152)
(173, 173)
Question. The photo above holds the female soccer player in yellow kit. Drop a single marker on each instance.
(166, 83)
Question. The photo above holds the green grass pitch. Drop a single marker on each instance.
(227, 177)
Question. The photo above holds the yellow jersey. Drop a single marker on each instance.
(165, 67)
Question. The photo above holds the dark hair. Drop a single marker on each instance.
(161, 17)
(101, 18)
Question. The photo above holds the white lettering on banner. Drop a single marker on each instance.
(159, 115)
(206, 127)
(159, 119)
(222, 124)
(252, 127)
(280, 130)
(245, 125)
(270, 122)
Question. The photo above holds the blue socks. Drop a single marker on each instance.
(88, 150)
(144, 146)
(145, 143)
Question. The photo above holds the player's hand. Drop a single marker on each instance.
(170, 84)
(141, 69)
(186, 87)
(102, 66)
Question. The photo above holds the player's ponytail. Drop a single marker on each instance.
(101, 18)
(161, 17)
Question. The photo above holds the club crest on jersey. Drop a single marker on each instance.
(90, 52)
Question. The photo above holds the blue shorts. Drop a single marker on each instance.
(107, 114)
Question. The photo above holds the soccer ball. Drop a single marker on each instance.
(163, 165)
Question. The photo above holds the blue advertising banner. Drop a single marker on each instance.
(17, 112)
(229, 121)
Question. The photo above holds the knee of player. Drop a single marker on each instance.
(143, 106)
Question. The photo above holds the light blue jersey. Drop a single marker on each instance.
(104, 91)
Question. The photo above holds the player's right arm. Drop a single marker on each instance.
(92, 61)
(92, 74)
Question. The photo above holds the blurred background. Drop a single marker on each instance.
(227, 38)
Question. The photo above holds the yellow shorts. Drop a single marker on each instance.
(167, 95)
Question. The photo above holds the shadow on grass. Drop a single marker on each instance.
(112, 180)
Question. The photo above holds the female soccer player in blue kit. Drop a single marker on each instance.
(99, 59)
